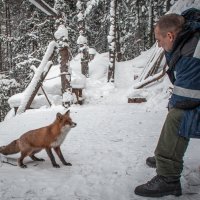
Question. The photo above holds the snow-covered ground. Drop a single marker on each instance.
(108, 147)
(107, 150)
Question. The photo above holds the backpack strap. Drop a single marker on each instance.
(191, 14)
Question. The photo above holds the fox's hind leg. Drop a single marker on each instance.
(34, 158)
(20, 160)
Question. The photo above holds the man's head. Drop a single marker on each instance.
(166, 30)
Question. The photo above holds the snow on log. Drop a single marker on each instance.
(43, 67)
(40, 4)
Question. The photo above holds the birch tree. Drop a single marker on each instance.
(112, 41)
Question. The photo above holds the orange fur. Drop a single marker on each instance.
(46, 138)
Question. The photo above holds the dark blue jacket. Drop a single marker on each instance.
(184, 73)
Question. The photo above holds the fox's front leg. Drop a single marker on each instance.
(51, 156)
(59, 153)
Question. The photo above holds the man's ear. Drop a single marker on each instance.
(59, 116)
(171, 36)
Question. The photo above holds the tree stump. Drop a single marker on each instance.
(78, 95)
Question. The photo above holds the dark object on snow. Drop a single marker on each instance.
(151, 162)
(136, 100)
(160, 186)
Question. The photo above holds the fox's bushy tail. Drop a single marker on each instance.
(11, 148)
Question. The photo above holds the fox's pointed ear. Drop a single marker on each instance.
(68, 112)
(59, 116)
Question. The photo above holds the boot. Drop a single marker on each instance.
(151, 162)
(160, 186)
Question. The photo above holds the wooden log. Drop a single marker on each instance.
(136, 100)
(37, 87)
(156, 77)
(44, 7)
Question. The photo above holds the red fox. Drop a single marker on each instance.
(46, 138)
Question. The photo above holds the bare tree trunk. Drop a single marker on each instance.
(118, 45)
(8, 35)
(82, 41)
(138, 25)
(64, 68)
(151, 35)
(168, 5)
(1, 32)
(1, 53)
(84, 62)
(112, 41)
(65, 56)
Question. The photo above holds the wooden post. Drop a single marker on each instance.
(61, 36)
(64, 68)
(84, 61)
(45, 95)
(82, 41)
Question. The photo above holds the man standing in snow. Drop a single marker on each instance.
(179, 36)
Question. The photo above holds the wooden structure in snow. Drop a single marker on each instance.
(38, 79)
(150, 72)
(152, 65)
(61, 36)
(44, 7)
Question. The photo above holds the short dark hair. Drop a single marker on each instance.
(170, 23)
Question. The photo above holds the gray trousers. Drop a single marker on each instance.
(171, 147)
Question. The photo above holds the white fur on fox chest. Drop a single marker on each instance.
(59, 140)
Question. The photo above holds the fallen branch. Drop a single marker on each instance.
(5, 160)
(9, 163)
(151, 79)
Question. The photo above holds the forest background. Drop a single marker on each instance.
(25, 32)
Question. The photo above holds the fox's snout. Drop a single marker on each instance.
(73, 124)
